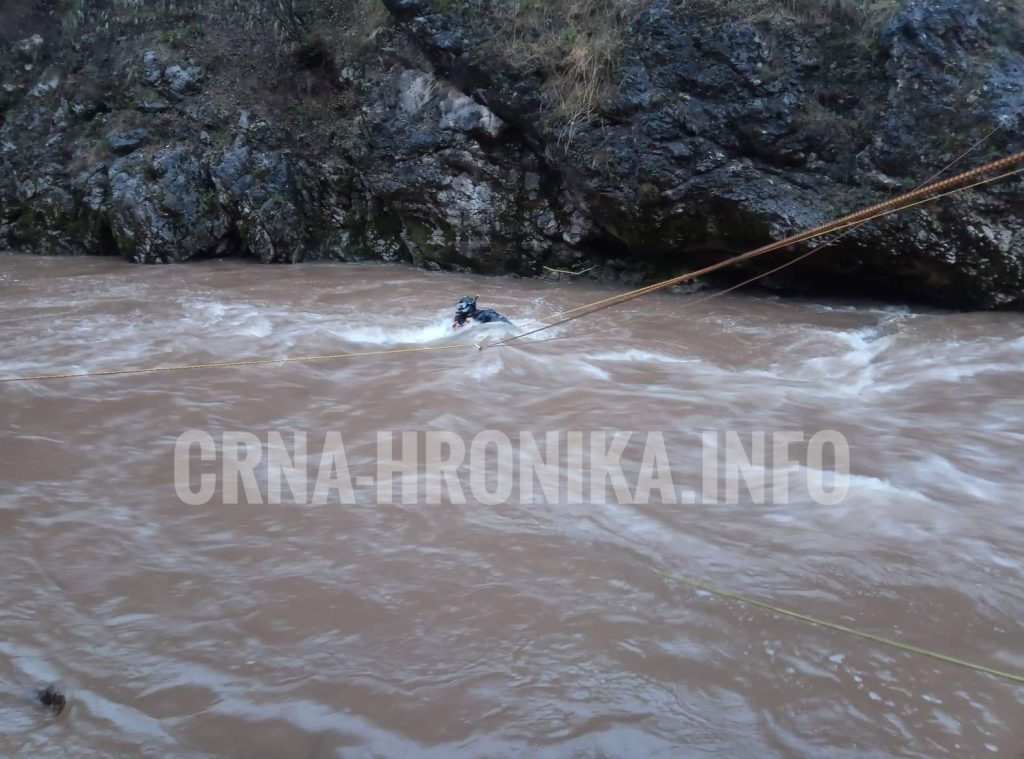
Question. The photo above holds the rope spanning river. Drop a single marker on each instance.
(545, 627)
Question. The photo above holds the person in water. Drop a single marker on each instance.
(466, 311)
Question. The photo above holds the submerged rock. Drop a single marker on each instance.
(52, 699)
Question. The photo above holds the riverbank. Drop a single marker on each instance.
(646, 138)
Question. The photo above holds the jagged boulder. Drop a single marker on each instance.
(268, 195)
(163, 208)
(174, 78)
(456, 193)
(124, 142)
(46, 213)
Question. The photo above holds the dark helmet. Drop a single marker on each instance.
(466, 306)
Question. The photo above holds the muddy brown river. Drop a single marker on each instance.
(528, 627)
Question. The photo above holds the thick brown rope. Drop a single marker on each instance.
(924, 194)
(817, 248)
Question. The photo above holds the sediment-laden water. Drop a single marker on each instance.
(463, 629)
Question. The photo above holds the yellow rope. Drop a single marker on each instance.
(908, 647)
(252, 362)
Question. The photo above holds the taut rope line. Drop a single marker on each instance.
(799, 616)
(927, 193)
(807, 254)
(780, 267)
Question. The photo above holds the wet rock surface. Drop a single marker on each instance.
(162, 208)
(424, 143)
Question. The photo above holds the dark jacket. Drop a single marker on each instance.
(467, 311)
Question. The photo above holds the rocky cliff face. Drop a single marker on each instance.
(503, 137)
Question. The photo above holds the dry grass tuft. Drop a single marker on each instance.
(575, 42)
(868, 18)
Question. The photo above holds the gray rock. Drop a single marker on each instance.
(49, 82)
(407, 8)
(9, 200)
(416, 88)
(45, 214)
(183, 81)
(85, 105)
(719, 137)
(123, 143)
(466, 115)
(10, 92)
(178, 79)
(153, 106)
(164, 208)
(151, 70)
(267, 195)
(717, 133)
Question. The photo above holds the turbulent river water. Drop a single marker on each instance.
(548, 627)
